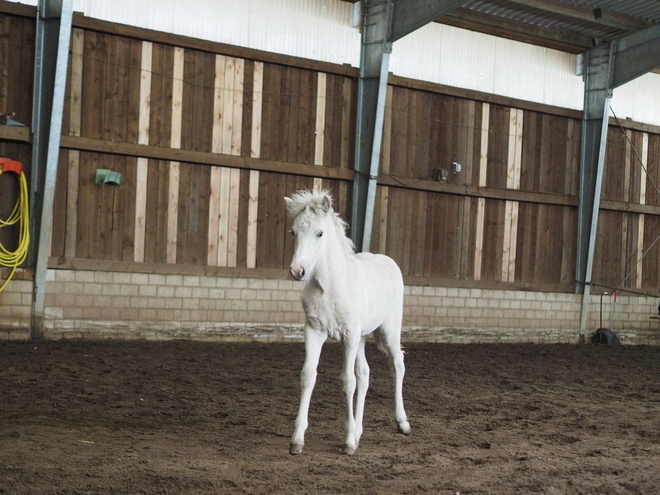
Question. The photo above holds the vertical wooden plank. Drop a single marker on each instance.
(142, 163)
(321, 89)
(641, 218)
(347, 118)
(237, 107)
(234, 198)
(481, 202)
(219, 97)
(387, 133)
(255, 152)
(214, 216)
(225, 183)
(514, 160)
(467, 152)
(227, 106)
(623, 264)
(253, 210)
(384, 206)
(235, 174)
(319, 139)
(175, 142)
(257, 106)
(75, 116)
(219, 130)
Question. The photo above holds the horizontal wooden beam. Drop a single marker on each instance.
(15, 133)
(248, 163)
(478, 192)
(18, 9)
(203, 158)
(165, 268)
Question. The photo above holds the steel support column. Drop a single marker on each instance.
(383, 22)
(51, 60)
(605, 67)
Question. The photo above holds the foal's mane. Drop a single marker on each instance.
(319, 204)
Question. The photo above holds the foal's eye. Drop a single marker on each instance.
(320, 234)
(292, 233)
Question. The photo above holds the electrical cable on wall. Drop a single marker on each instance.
(21, 215)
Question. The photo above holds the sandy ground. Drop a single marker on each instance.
(87, 417)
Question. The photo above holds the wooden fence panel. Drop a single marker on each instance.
(289, 114)
(194, 194)
(17, 38)
(548, 155)
(513, 222)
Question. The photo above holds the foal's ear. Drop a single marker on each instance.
(292, 207)
(326, 203)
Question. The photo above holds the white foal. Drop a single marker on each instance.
(347, 296)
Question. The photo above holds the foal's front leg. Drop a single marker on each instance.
(351, 347)
(313, 343)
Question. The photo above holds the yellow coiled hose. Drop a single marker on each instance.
(21, 215)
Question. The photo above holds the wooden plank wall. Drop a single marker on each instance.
(17, 36)
(475, 189)
(129, 91)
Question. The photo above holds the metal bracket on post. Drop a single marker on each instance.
(51, 60)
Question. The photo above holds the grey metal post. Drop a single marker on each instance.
(376, 23)
(54, 19)
(606, 67)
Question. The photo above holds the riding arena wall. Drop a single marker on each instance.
(477, 198)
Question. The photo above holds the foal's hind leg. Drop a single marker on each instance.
(362, 376)
(313, 343)
(389, 341)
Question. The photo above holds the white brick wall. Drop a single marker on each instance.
(132, 305)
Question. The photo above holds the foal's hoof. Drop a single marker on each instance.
(295, 449)
(348, 450)
(404, 428)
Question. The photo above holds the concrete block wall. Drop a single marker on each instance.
(100, 304)
(15, 309)
(456, 315)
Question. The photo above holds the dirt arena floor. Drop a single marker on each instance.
(190, 418)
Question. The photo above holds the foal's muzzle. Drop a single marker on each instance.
(297, 273)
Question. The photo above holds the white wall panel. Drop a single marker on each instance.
(322, 30)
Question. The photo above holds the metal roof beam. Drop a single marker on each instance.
(605, 17)
(635, 55)
(410, 15)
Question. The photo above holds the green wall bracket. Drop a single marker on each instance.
(104, 176)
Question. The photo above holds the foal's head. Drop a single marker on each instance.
(318, 232)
